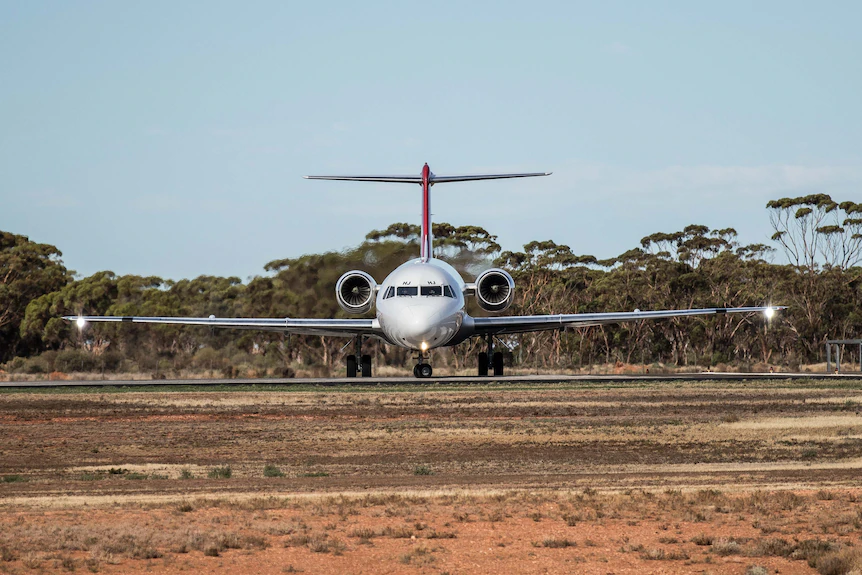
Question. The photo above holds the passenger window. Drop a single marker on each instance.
(432, 290)
(447, 291)
(389, 292)
(408, 291)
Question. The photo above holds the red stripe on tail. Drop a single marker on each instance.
(425, 250)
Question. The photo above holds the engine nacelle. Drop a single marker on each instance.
(355, 291)
(495, 290)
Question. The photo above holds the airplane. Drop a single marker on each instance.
(421, 304)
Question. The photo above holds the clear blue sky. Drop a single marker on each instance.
(169, 138)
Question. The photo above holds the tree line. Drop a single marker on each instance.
(819, 239)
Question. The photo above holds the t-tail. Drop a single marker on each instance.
(426, 179)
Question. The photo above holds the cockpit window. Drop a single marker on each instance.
(408, 291)
(432, 290)
(389, 292)
(447, 291)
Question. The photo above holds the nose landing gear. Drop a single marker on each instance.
(423, 368)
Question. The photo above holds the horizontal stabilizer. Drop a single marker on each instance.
(433, 179)
(392, 179)
(445, 179)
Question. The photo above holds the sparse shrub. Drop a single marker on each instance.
(136, 476)
(32, 560)
(653, 554)
(811, 550)
(74, 360)
(558, 543)
(839, 562)
(702, 539)
(434, 534)
(401, 532)
(419, 556)
(809, 453)
(756, 570)
(116, 471)
(272, 471)
(185, 507)
(363, 533)
(14, 479)
(316, 474)
(211, 551)
(319, 544)
(773, 546)
(422, 470)
(220, 472)
(824, 495)
(724, 546)
(186, 474)
(7, 554)
(300, 540)
(34, 365)
(68, 563)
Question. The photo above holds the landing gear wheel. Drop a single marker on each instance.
(416, 371)
(424, 370)
(498, 363)
(351, 366)
(483, 364)
(366, 366)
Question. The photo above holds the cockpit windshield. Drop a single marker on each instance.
(430, 291)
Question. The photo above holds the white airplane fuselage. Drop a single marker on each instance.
(420, 305)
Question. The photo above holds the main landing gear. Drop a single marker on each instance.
(423, 368)
(495, 366)
(364, 361)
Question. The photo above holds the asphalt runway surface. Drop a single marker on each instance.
(460, 380)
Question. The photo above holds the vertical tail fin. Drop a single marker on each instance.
(425, 236)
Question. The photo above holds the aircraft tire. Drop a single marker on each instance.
(498, 363)
(351, 366)
(425, 370)
(483, 364)
(366, 366)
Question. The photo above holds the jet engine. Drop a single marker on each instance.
(495, 290)
(355, 291)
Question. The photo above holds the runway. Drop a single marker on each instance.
(444, 380)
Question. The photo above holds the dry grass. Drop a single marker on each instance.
(333, 526)
(595, 475)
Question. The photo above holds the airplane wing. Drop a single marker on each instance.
(525, 323)
(336, 327)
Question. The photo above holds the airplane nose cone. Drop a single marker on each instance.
(420, 326)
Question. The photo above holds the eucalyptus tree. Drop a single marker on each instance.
(27, 271)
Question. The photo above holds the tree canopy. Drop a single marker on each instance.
(692, 267)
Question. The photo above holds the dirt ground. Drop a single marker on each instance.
(636, 478)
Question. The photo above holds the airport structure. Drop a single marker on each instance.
(836, 344)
